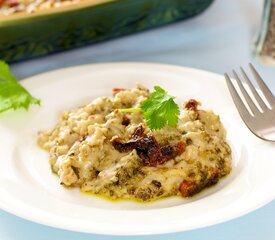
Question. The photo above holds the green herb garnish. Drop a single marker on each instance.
(158, 110)
(12, 94)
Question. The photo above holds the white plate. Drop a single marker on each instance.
(29, 190)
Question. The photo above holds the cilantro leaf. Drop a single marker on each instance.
(160, 109)
(12, 94)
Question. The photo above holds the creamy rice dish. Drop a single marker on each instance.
(102, 150)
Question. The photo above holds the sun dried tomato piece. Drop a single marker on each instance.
(192, 104)
(188, 188)
(179, 148)
(170, 152)
(117, 90)
(153, 151)
(148, 149)
(138, 133)
(123, 147)
(166, 151)
(12, 3)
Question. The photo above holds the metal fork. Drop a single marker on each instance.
(259, 119)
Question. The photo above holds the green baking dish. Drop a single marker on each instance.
(24, 36)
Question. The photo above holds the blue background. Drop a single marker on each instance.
(218, 40)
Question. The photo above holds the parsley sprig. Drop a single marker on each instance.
(12, 94)
(158, 110)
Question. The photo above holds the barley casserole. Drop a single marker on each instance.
(101, 150)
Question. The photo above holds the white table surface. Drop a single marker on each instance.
(218, 40)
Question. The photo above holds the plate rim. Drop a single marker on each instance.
(29, 80)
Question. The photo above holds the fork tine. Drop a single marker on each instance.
(253, 90)
(267, 93)
(248, 99)
(237, 100)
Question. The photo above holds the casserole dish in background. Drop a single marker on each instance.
(28, 35)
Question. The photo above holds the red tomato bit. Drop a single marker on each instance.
(116, 90)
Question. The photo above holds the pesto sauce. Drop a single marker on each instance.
(135, 200)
